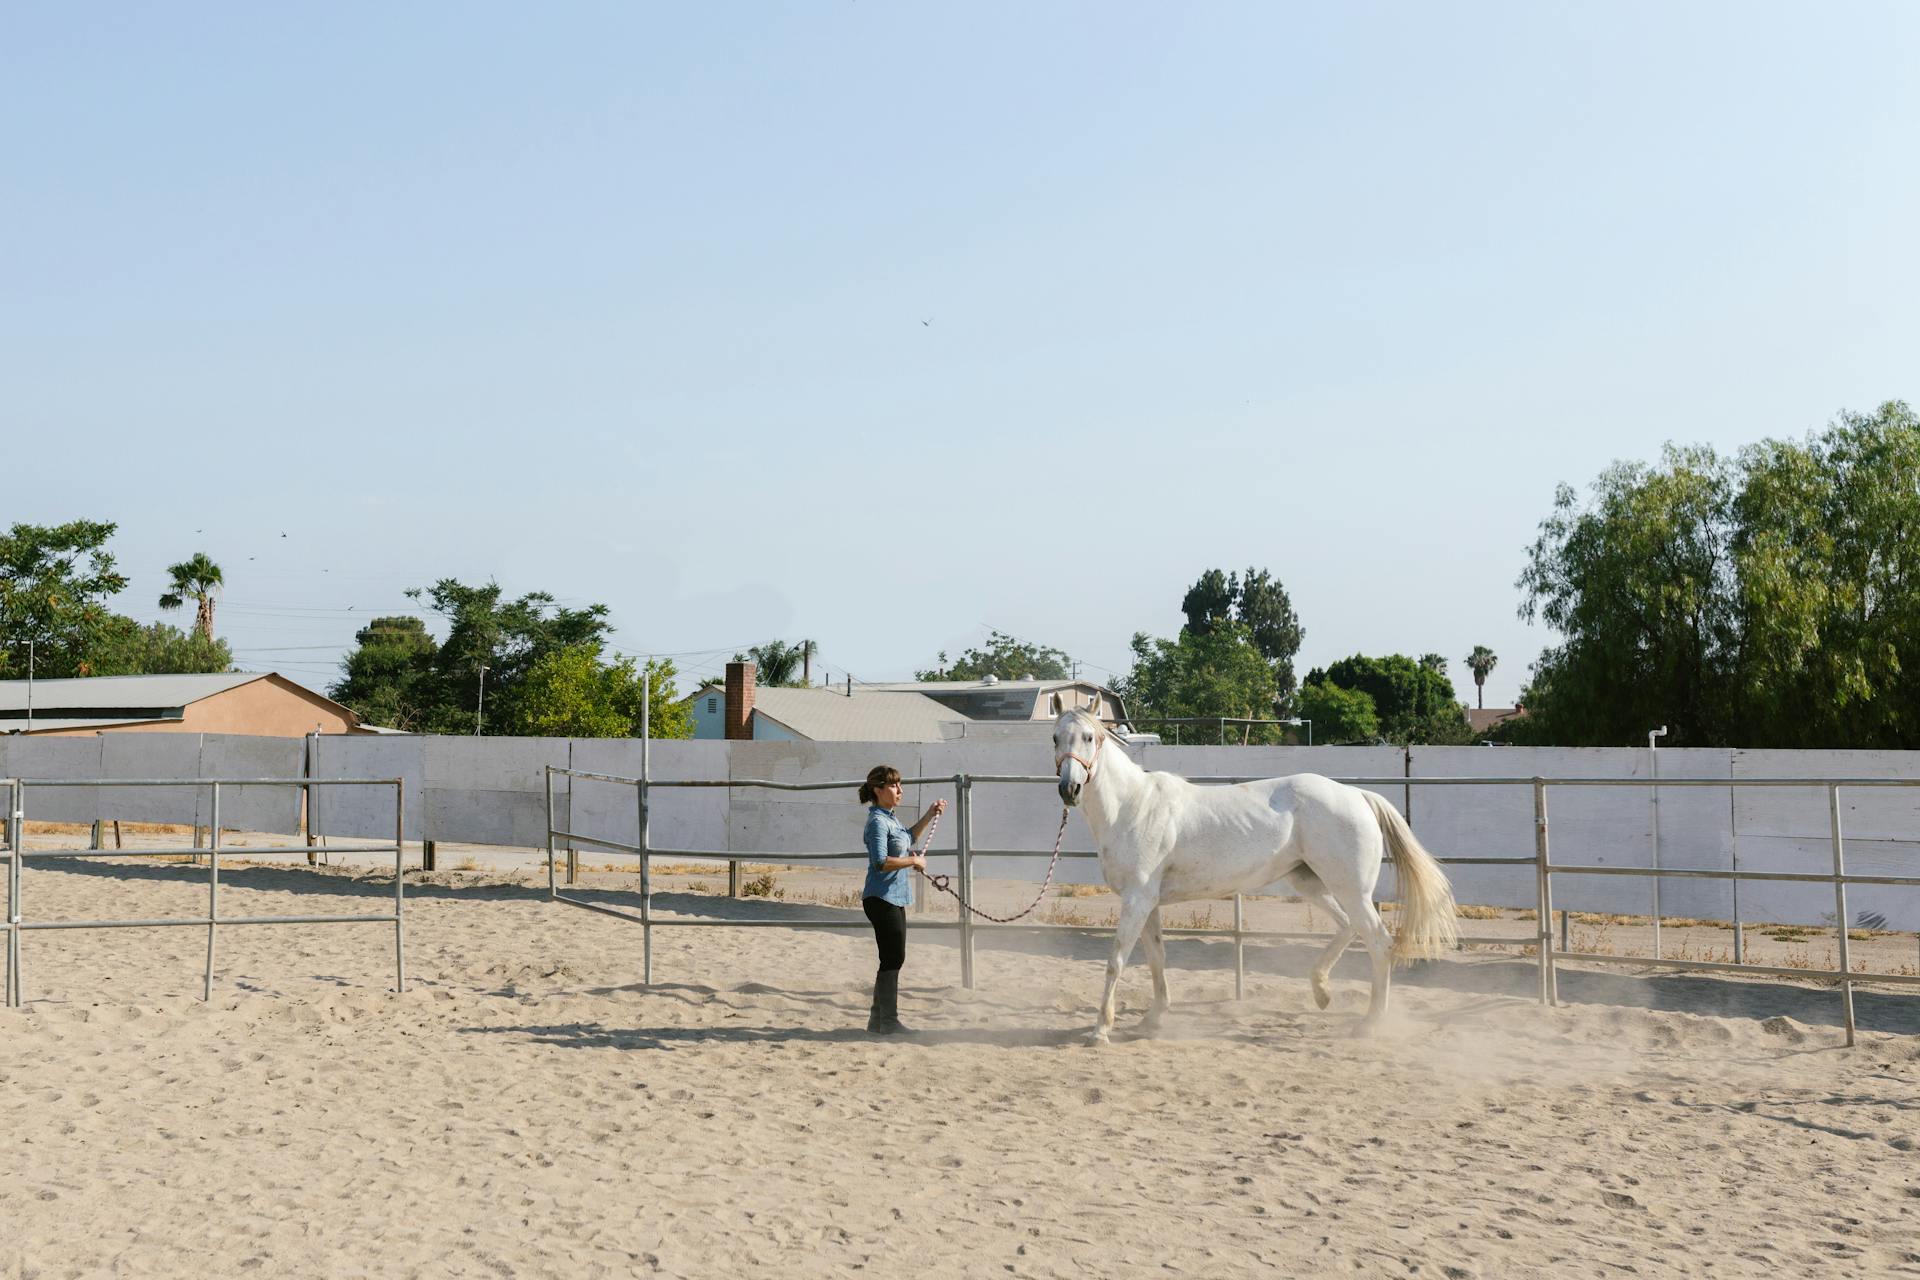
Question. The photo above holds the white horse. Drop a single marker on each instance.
(1162, 839)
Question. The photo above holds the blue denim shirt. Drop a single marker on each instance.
(887, 838)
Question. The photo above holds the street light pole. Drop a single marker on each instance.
(29, 686)
(480, 700)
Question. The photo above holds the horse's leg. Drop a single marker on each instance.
(1156, 949)
(1134, 910)
(1316, 893)
(1379, 943)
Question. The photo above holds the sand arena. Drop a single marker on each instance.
(528, 1109)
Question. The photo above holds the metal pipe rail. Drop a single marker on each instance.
(1544, 869)
(16, 924)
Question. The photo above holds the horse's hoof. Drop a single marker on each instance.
(1097, 1038)
(1321, 996)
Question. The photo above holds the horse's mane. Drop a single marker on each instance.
(1100, 728)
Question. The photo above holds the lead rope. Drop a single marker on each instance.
(943, 882)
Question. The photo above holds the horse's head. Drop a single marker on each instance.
(1076, 749)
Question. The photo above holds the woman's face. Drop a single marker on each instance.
(888, 794)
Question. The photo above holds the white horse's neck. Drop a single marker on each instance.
(1115, 781)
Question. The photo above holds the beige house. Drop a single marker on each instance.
(266, 705)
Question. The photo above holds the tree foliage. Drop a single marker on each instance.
(1258, 602)
(54, 581)
(546, 670)
(1338, 715)
(1004, 658)
(780, 664)
(197, 579)
(1413, 701)
(574, 693)
(1218, 672)
(1481, 662)
(125, 648)
(1771, 600)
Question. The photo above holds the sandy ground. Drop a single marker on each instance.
(527, 1108)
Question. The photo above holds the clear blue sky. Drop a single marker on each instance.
(883, 324)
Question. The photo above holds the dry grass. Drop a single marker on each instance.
(761, 886)
(1079, 890)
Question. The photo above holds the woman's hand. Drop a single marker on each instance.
(939, 807)
(919, 861)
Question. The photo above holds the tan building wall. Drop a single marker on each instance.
(268, 707)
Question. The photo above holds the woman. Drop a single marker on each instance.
(889, 888)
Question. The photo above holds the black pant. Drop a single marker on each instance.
(889, 931)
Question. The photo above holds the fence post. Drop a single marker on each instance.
(1239, 950)
(1733, 839)
(399, 886)
(213, 890)
(963, 802)
(15, 829)
(1549, 993)
(1840, 910)
(646, 882)
(553, 885)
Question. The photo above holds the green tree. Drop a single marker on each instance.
(197, 579)
(126, 648)
(1481, 662)
(1639, 580)
(1414, 700)
(382, 677)
(1004, 658)
(1209, 600)
(779, 664)
(1219, 673)
(573, 692)
(1257, 600)
(1768, 601)
(506, 637)
(1338, 715)
(53, 585)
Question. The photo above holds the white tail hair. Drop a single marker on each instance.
(1427, 929)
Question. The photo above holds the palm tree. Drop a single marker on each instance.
(778, 663)
(1481, 661)
(198, 578)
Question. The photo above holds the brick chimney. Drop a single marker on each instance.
(739, 717)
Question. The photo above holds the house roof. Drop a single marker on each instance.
(88, 693)
(970, 686)
(870, 715)
(1481, 719)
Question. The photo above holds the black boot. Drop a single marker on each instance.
(884, 1019)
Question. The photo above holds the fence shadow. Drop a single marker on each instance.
(1712, 995)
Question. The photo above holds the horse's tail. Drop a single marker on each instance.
(1427, 929)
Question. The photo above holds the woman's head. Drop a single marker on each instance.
(881, 786)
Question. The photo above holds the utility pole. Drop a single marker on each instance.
(29, 686)
(480, 700)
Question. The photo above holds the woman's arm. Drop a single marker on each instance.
(877, 850)
(939, 807)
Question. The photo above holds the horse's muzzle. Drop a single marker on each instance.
(1069, 792)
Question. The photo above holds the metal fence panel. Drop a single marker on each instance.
(1788, 829)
